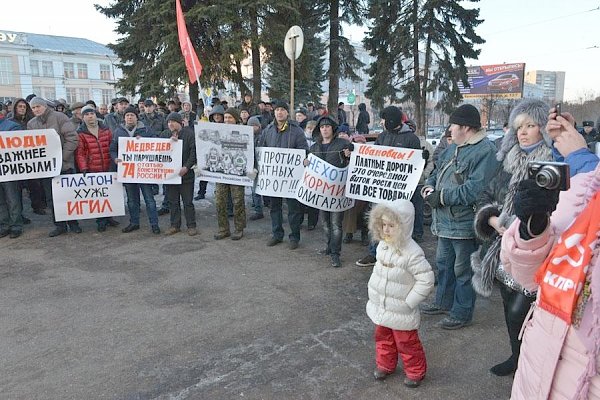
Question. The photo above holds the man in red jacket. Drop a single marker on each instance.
(93, 151)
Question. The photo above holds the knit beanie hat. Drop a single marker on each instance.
(88, 109)
(175, 116)
(282, 104)
(38, 101)
(234, 113)
(392, 116)
(254, 121)
(466, 115)
(538, 111)
(131, 109)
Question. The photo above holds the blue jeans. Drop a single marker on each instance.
(133, 202)
(11, 207)
(417, 201)
(295, 218)
(332, 225)
(455, 291)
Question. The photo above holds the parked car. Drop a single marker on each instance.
(504, 82)
(434, 134)
(494, 133)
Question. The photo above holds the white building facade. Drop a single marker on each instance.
(56, 67)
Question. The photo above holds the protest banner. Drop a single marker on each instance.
(149, 160)
(225, 153)
(93, 195)
(279, 171)
(323, 186)
(29, 154)
(382, 174)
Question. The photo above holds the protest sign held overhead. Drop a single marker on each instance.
(149, 160)
(225, 153)
(29, 155)
(279, 171)
(92, 195)
(323, 186)
(382, 174)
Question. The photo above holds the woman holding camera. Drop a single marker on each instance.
(525, 141)
(557, 255)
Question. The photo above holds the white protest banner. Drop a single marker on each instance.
(29, 154)
(323, 186)
(225, 153)
(382, 174)
(149, 160)
(94, 195)
(279, 171)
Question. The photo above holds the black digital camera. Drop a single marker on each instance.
(550, 175)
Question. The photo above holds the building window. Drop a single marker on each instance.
(35, 67)
(82, 71)
(84, 95)
(37, 90)
(6, 70)
(107, 96)
(49, 93)
(105, 72)
(69, 70)
(71, 95)
(47, 68)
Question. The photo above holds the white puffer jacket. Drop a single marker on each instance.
(402, 277)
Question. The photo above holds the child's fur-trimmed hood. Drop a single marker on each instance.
(403, 213)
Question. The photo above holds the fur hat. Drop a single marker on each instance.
(131, 110)
(466, 115)
(538, 111)
(175, 116)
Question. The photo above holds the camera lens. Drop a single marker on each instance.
(548, 177)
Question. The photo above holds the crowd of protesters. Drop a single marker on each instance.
(496, 225)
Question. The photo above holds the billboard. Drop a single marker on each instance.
(499, 80)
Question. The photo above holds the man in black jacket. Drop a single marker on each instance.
(396, 134)
(185, 190)
(336, 151)
(286, 134)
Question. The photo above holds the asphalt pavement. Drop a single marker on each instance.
(139, 316)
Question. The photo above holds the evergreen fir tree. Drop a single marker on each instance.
(425, 33)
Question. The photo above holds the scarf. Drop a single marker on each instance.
(562, 275)
(283, 127)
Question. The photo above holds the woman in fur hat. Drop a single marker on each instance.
(525, 141)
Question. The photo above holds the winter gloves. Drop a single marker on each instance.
(533, 205)
(435, 199)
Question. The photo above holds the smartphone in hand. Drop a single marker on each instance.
(558, 108)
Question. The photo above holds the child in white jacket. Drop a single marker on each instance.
(402, 278)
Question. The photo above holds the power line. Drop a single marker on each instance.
(543, 21)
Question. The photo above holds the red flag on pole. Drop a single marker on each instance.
(192, 64)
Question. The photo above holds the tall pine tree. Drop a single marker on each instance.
(309, 71)
(428, 33)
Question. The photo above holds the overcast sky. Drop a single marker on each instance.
(545, 34)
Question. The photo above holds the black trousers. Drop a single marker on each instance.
(516, 305)
(185, 193)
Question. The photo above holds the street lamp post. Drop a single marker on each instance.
(114, 78)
